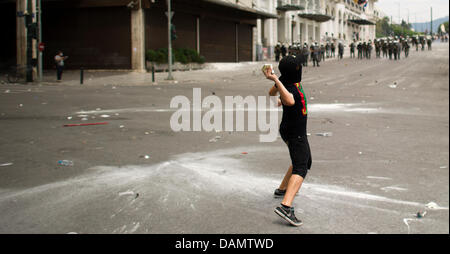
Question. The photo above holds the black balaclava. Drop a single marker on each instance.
(291, 70)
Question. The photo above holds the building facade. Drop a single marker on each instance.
(115, 34)
(321, 20)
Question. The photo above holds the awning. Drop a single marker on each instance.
(318, 17)
(290, 7)
(255, 12)
(361, 21)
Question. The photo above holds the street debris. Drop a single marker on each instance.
(393, 86)
(434, 206)
(215, 139)
(421, 214)
(145, 157)
(121, 126)
(65, 163)
(84, 124)
(20, 105)
(325, 134)
(244, 153)
(359, 153)
(69, 118)
(105, 116)
(7, 91)
(126, 193)
(443, 167)
(6, 164)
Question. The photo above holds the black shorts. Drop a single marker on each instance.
(300, 154)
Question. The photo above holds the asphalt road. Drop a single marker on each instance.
(386, 160)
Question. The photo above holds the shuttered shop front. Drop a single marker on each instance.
(218, 40)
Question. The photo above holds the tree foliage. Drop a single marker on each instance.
(384, 28)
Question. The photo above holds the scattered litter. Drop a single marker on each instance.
(20, 105)
(72, 233)
(308, 134)
(121, 126)
(347, 124)
(145, 157)
(69, 118)
(312, 98)
(116, 114)
(126, 193)
(244, 153)
(443, 167)
(393, 86)
(176, 82)
(65, 163)
(98, 109)
(434, 206)
(84, 124)
(146, 133)
(44, 103)
(113, 87)
(215, 139)
(105, 116)
(325, 134)
(359, 153)
(421, 214)
(6, 164)
(7, 91)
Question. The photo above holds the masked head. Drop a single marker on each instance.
(291, 69)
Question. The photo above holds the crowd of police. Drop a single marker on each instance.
(388, 47)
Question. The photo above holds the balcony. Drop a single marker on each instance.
(316, 15)
(289, 5)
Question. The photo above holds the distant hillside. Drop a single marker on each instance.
(421, 27)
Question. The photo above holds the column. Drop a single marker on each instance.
(21, 35)
(138, 40)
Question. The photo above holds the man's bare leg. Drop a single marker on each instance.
(295, 182)
(284, 183)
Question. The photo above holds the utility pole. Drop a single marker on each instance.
(39, 17)
(169, 33)
(431, 25)
(28, 23)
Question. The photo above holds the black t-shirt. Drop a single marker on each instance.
(293, 123)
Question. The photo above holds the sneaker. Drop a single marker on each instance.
(288, 215)
(279, 193)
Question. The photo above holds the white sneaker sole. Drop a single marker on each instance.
(287, 219)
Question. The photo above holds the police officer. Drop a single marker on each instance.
(327, 49)
(322, 52)
(333, 49)
(305, 52)
(406, 46)
(352, 49)
(369, 49)
(390, 48)
(384, 47)
(315, 51)
(341, 50)
(360, 50)
(277, 52)
(399, 49)
(283, 50)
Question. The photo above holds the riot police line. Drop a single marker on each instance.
(387, 47)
